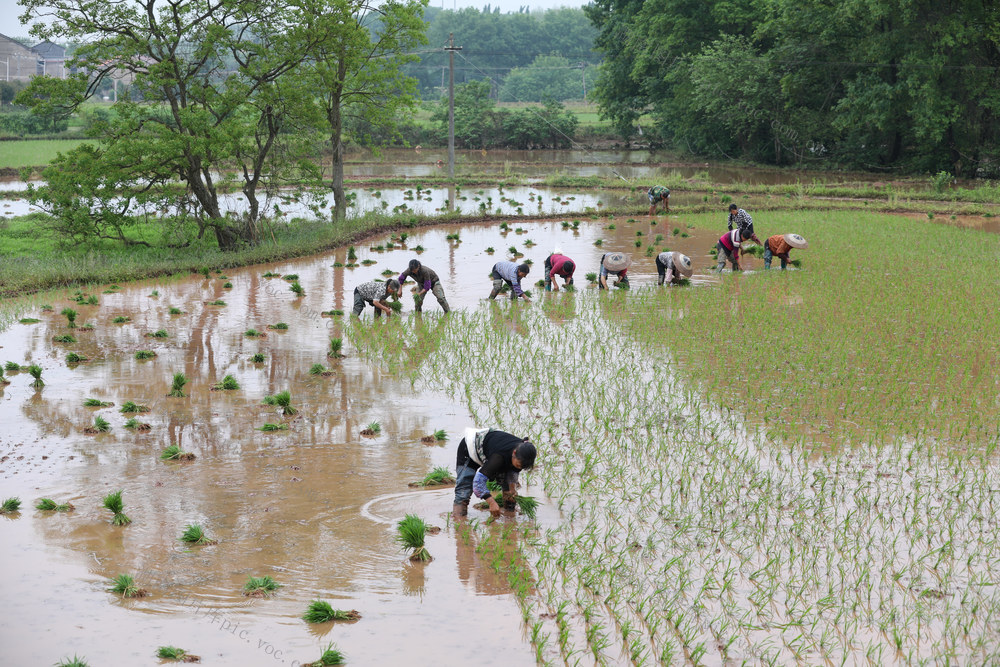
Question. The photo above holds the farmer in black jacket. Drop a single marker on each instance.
(488, 454)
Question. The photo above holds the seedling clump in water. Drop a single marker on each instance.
(260, 587)
(10, 506)
(373, 429)
(437, 477)
(134, 423)
(320, 611)
(268, 428)
(144, 354)
(70, 317)
(49, 505)
(174, 653)
(177, 389)
(195, 534)
(35, 371)
(411, 531)
(113, 503)
(331, 656)
(71, 358)
(280, 326)
(121, 319)
(125, 586)
(97, 403)
(132, 406)
(253, 333)
(336, 344)
(257, 358)
(228, 383)
(283, 400)
(174, 453)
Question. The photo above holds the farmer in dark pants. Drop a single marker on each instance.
(376, 293)
(779, 246)
(613, 262)
(427, 281)
(488, 454)
(558, 264)
(729, 248)
(672, 267)
(512, 274)
(658, 194)
(741, 220)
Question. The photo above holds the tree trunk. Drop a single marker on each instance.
(335, 117)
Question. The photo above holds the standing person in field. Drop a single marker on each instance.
(729, 248)
(742, 221)
(376, 293)
(512, 274)
(672, 267)
(658, 194)
(488, 454)
(613, 262)
(558, 264)
(779, 246)
(427, 281)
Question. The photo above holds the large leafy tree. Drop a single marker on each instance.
(205, 102)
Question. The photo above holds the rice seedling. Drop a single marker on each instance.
(352, 254)
(174, 453)
(75, 661)
(396, 306)
(132, 406)
(113, 503)
(388, 272)
(121, 319)
(228, 383)
(440, 435)
(35, 371)
(29, 320)
(159, 333)
(336, 344)
(71, 358)
(97, 403)
(125, 586)
(368, 262)
(144, 354)
(490, 250)
(528, 505)
(195, 534)
(253, 333)
(260, 587)
(283, 400)
(10, 506)
(269, 428)
(439, 476)
(173, 310)
(227, 285)
(135, 424)
(217, 302)
(49, 505)
(419, 249)
(47, 308)
(177, 387)
(332, 313)
(320, 611)
(174, 653)
(291, 276)
(11, 367)
(280, 326)
(70, 317)
(319, 369)
(373, 429)
(257, 358)
(3, 380)
(92, 300)
(331, 656)
(411, 532)
(65, 338)
(296, 288)
(591, 277)
(271, 274)
(154, 294)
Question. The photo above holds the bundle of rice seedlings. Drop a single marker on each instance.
(174, 653)
(217, 302)
(177, 389)
(332, 313)
(331, 656)
(439, 476)
(159, 333)
(440, 434)
(253, 333)
(267, 428)
(336, 344)
(29, 320)
(373, 429)
(125, 586)
(11, 367)
(71, 358)
(228, 383)
(49, 505)
(121, 319)
(174, 311)
(35, 371)
(270, 274)
(227, 285)
(320, 611)
(3, 380)
(113, 503)
(280, 326)
(527, 505)
(97, 403)
(411, 532)
(154, 294)
(10, 506)
(75, 661)
(396, 306)
(195, 534)
(134, 423)
(283, 400)
(132, 406)
(257, 358)
(260, 587)
(352, 253)
(174, 453)
(70, 317)
(66, 338)
(297, 289)
(291, 276)
(144, 354)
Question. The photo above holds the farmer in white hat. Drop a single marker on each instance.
(614, 262)
(488, 454)
(729, 248)
(558, 264)
(779, 246)
(672, 267)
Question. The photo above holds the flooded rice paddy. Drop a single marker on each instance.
(670, 531)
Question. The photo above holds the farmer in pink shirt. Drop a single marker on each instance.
(729, 248)
(558, 264)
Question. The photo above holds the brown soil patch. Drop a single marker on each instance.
(335, 356)
(190, 658)
(368, 433)
(143, 427)
(428, 440)
(90, 430)
(259, 593)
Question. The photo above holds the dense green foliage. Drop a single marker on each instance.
(882, 83)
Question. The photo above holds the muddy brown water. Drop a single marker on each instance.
(313, 506)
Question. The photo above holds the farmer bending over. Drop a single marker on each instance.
(558, 264)
(658, 194)
(376, 293)
(672, 267)
(488, 454)
(743, 222)
(427, 281)
(729, 248)
(512, 274)
(614, 262)
(779, 246)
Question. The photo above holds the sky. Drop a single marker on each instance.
(11, 27)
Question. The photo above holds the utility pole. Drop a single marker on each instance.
(583, 70)
(451, 48)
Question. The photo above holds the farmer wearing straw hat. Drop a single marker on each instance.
(729, 248)
(779, 246)
(614, 262)
(427, 281)
(510, 273)
(558, 264)
(488, 454)
(658, 194)
(743, 222)
(672, 267)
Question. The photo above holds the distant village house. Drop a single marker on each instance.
(19, 63)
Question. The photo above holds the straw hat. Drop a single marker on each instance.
(683, 264)
(617, 261)
(795, 241)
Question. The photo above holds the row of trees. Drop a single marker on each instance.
(226, 87)
(869, 83)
